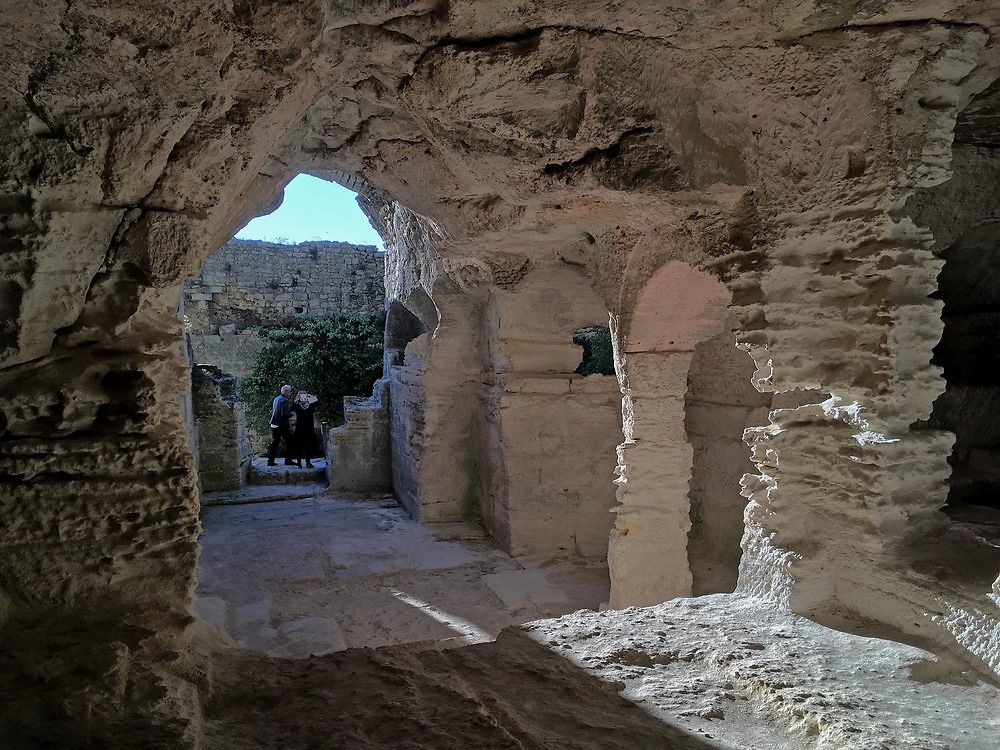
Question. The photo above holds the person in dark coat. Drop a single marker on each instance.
(281, 414)
(304, 438)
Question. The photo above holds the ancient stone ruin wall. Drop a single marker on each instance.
(223, 448)
(489, 421)
(248, 283)
(357, 452)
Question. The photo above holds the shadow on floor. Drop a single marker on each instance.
(321, 574)
(510, 694)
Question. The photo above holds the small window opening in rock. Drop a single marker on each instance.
(598, 355)
(401, 327)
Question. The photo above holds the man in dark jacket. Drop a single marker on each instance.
(281, 413)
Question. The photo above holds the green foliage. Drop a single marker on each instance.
(598, 355)
(330, 357)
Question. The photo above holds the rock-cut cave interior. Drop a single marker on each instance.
(770, 518)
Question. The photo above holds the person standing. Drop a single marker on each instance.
(305, 429)
(281, 413)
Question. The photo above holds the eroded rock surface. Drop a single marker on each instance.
(716, 672)
(533, 169)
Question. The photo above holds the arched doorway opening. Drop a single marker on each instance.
(291, 569)
(677, 310)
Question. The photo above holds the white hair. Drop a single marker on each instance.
(286, 387)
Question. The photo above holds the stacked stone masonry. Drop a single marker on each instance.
(248, 283)
(224, 452)
(357, 452)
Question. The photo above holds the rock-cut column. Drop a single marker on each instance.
(647, 556)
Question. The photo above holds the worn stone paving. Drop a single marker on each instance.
(318, 574)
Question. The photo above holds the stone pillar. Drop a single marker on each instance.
(843, 522)
(676, 309)
(224, 452)
(357, 452)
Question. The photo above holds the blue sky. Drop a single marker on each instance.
(313, 209)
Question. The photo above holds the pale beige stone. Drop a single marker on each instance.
(532, 168)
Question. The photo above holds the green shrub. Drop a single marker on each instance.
(330, 357)
(598, 355)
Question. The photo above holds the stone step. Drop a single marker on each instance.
(263, 493)
(262, 474)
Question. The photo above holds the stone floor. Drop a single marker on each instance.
(320, 574)
(720, 671)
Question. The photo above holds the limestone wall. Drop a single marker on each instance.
(248, 283)
(224, 452)
(436, 380)
(551, 433)
(488, 419)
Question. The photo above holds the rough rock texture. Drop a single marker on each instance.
(658, 163)
(749, 675)
(223, 449)
(719, 672)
